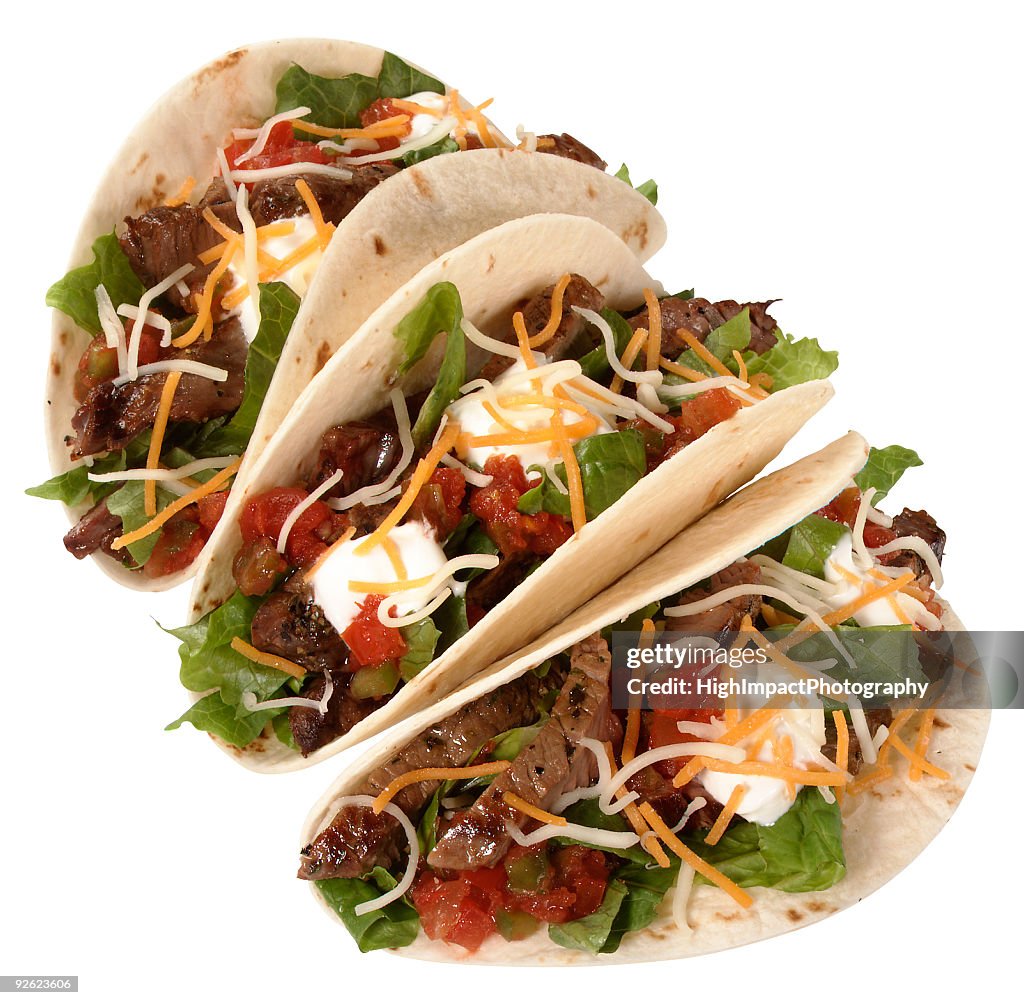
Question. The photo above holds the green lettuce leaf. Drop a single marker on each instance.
(793, 361)
(390, 927)
(443, 146)
(595, 363)
(337, 101)
(886, 654)
(278, 306)
(587, 813)
(810, 543)
(648, 189)
(734, 334)
(610, 465)
(592, 933)
(885, 467)
(450, 377)
(75, 294)
(440, 310)
(211, 714)
(421, 638)
(71, 488)
(451, 621)
(128, 502)
(802, 851)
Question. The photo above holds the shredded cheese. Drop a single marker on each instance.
(156, 442)
(250, 652)
(654, 327)
(535, 812)
(725, 817)
(434, 774)
(183, 193)
(297, 511)
(916, 760)
(555, 318)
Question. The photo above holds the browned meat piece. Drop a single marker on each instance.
(111, 416)
(96, 531)
(278, 198)
(875, 716)
(554, 763)
(536, 314)
(564, 145)
(366, 451)
(290, 624)
(700, 317)
(357, 839)
(725, 617)
(916, 523)
(492, 587)
(312, 730)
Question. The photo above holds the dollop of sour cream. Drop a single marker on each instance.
(420, 553)
(474, 420)
(766, 799)
(422, 122)
(298, 277)
(845, 571)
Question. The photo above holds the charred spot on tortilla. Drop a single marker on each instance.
(143, 157)
(970, 767)
(63, 336)
(379, 246)
(421, 183)
(639, 231)
(55, 366)
(940, 723)
(216, 69)
(491, 262)
(819, 907)
(591, 191)
(323, 354)
(794, 915)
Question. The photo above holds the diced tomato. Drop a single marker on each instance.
(843, 509)
(282, 147)
(177, 547)
(876, 536)
(99, 364)
(371, 642)
(695, 417)
(378, 111)
(513, 532)
(439, 502)
(663, 730)
(459, 911)
(211, 508)
(257, 566)
(265, 514)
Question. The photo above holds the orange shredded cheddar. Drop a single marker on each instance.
(741, 363)
(183, 193)
(801, 776)
(629, 354)
(648, 839)
(893, 729)
(156, 442)
(434, 774)
(250, 652)
(748, 726)
(774, 617)
(535, 812)
(870, 780)
(414, 108)
(395, 557)
(761, 380)
(693, 767)
(924, 735)
(632, 736)
(455, 107)
(654, 328)
(304, 250)
(483, 130)
(420, 476)
(725, 817)
(555, 318)
(842, 740)
(916, 760)
(681, 371)
(398, 586)
(204, 315)
(324, 230)
(708, 871)
(704, 353)
(576, 431)
(207, 488)
(573, 478)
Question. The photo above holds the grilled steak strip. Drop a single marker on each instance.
(163, 239)
(701, 317)
(916, 523)
(564, 145)
(357, 839)
(551, 765)
(96, 531)
(537, 312)
(113, 415)
(725, 617)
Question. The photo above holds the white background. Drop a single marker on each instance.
(863, 163)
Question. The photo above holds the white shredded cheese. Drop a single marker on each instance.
(263, 133)
(285, 170)
(132, 367)
(166, 474)
(293, 516)
(182, 365)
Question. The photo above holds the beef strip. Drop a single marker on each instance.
(564, 145)
(492, 587)
(366, 451)
(537, 312)
(312, 730)
(289, 624)
(551, 765)
(671, 803)
(726, 617)
(875, 716)
(357, 839)
(916, 523)
(700, 317)
(96, 531)
(113, 415)
(163, 239)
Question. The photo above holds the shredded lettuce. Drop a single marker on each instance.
(421, 638)
(884, 467)
(648, 189)
(443, 146)
(734, 334)
(75, 294)
(793, 361)
(128, 502)
(389, 927)
(810, 543)
(595, 363)
(440, 310)
(337, 101)
(610, 465)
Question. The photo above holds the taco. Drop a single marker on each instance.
(190, 320)
(432, 503)
(528, 819)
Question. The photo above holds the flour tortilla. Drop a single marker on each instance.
(884, 829)
(399, 227)
(494, 272)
